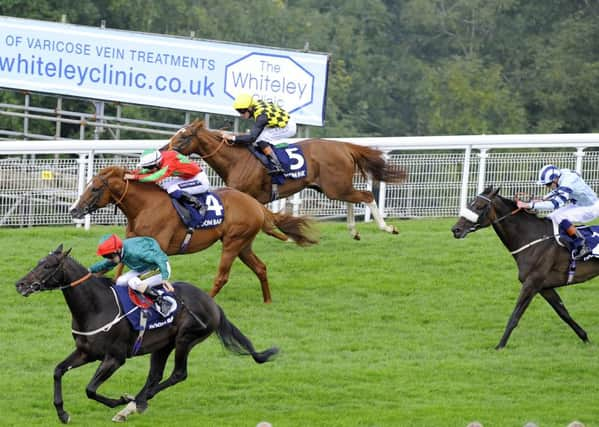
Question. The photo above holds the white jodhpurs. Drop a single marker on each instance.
(274, 134)
(133, 280)
(575, 214)
(196, 185)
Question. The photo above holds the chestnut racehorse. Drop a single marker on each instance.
(149, 212)
(330, 165)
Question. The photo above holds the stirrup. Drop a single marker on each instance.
(582, 253)
(164, 305)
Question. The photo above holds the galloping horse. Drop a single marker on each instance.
(102, 333)
(150, 213)
(543, 265)
(330, 169)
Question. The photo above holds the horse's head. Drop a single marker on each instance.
(480, 213)
(46, 275)
(184, 140)
(106, 186)
(193, 138)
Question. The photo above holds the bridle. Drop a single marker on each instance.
(187, 140)
(476, 219)
(117, 200)
(44, 284)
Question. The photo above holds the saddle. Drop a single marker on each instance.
(193, 219)
(291, 157)
(130, 300)
(591, 236)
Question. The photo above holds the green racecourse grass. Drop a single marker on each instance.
(387, 331)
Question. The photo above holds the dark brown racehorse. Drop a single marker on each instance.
(331, 166)
(150, 213)
(543, 265)
(103, 334)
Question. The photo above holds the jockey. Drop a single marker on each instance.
(175, 173)
(148, 265)
(570, 199)
(271, 123)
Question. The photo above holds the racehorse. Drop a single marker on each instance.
(150, 212)
(330, 169)
(102, 333)
(543, 264)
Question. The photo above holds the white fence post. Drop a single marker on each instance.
(482, 170)
(81, 162)
(465, 173)
(90, 174)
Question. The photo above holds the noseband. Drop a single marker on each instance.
(477, 218)
(42, 284)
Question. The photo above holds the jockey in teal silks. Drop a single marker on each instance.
(148, 264)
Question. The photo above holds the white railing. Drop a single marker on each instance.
(443, 173)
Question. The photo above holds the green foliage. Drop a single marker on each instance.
(398, 67)
(463, 96)
(388, 331)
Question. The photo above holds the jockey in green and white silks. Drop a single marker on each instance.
(174, 172)
(570, 199)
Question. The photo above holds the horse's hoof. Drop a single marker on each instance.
(118, 418)
(357, 236)
(122, 415)
(65, 418)
(394, 230)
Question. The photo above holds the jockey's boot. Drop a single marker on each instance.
(194, 201)
(277, 167)
(163, 304)
(582, 249)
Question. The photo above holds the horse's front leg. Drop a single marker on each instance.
(527, 292)
(74, 360)
(108, 367)
(553, 298)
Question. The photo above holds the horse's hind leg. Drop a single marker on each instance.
(140, 404)
(179, 373)
(379, 219)
(553, 298)
(230, 251)
(108, 367)
(351, 222)
(250, 259)
(524, 299)
(351, 195)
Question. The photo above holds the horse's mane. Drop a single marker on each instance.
(105, 281)
(511, 204)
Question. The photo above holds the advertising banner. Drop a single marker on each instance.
(163, 71)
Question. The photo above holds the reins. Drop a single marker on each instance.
(216, 150)
(468, 214)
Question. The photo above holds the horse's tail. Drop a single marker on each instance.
(299, 229)
(373, 162)
(236, 342)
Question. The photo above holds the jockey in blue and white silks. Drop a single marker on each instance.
(570, 199)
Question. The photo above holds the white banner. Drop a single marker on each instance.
(163, 71)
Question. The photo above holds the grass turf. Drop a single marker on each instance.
(387, 331)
